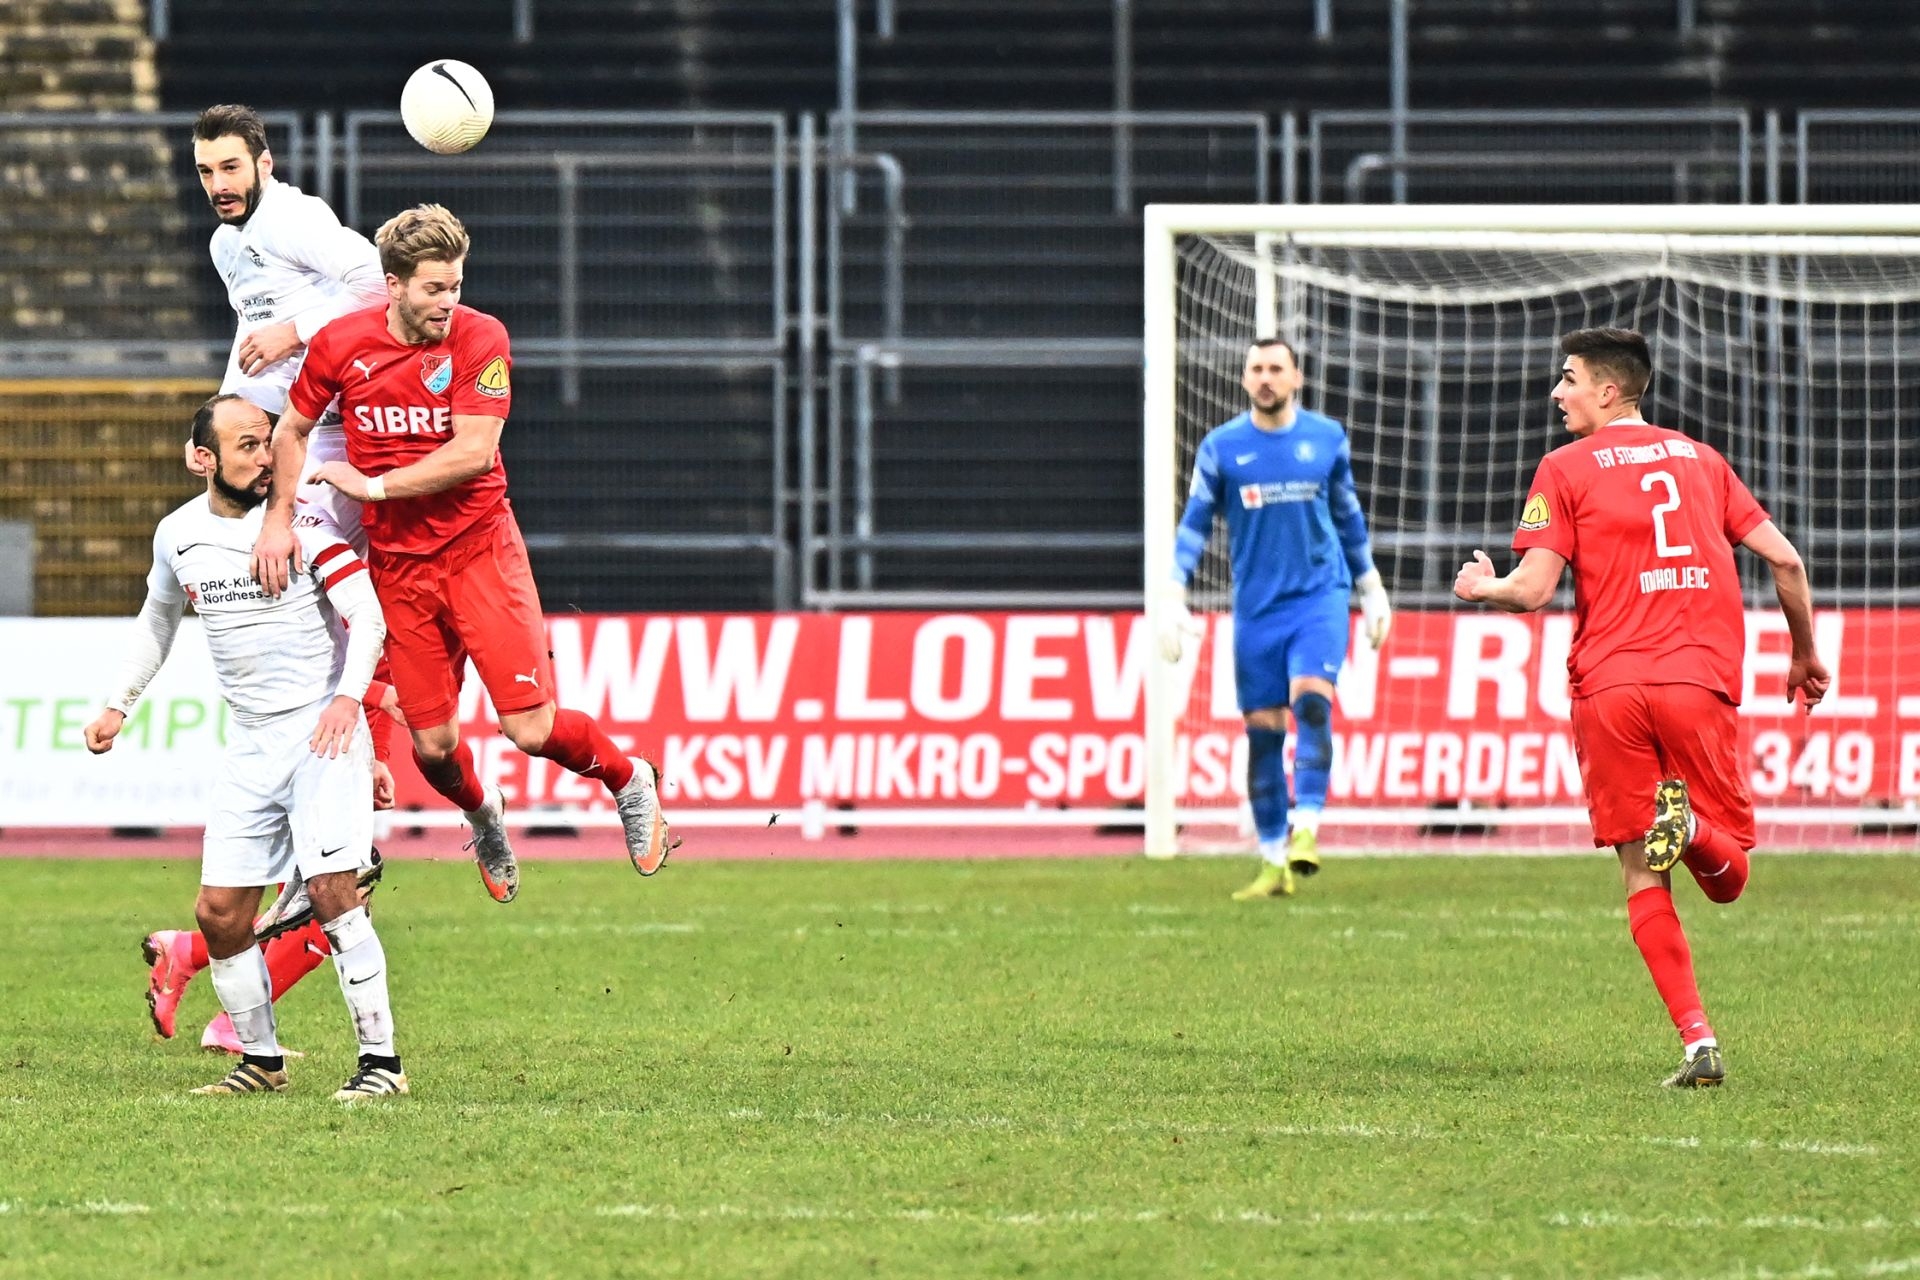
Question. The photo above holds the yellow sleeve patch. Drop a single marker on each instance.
(1537, 515)
(493, 379)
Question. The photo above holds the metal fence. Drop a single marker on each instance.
(982, 314)
(1574, 157)
(888, 358)
(100, 214)
(1860, 157)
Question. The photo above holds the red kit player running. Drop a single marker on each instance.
(425, 389)
(1649, 518)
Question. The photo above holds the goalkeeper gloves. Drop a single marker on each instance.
(1176, 624)
(1376, 614)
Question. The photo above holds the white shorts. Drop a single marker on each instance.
(278, 807)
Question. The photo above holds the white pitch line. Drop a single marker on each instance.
(1352, 1131)
(1084, 1216)
(1262, 1218)
(1811, 1271)
(102, 1208)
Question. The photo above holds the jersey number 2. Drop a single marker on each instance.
(1661, 545)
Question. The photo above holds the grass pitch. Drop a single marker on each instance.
(1054, 1068)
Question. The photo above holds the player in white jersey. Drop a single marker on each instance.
(291, 793)
(289, 267)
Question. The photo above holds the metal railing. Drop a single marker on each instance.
(840, 559)
(976, 241)
(1707, 155)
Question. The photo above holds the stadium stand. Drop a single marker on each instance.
(1014, 245)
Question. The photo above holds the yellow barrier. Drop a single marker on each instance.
(92, 464)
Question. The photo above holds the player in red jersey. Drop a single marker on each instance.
(425, 389)
(1649, 518)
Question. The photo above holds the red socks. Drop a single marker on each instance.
(1663, 945)
(576, 743)
(380, 728)
(579, 745)
(456, 779)
(1718, 863)
(292, 956)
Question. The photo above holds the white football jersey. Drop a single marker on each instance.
(293, 260)
(269, 655)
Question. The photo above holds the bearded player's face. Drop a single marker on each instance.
(423, 303)
(230, 176)
(1271, 379)
(242, 460)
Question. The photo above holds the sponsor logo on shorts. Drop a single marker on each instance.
(1537, 515)
(493, 379)
(436, 371)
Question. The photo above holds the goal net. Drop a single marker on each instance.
(1786, 337)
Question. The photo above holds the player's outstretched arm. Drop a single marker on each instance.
(343, 576)
(276, 552)
(470, 452)
(317, 242)
(154, 629)
(1806, 674)
(1529, 587)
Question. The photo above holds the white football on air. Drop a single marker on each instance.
(447, 106)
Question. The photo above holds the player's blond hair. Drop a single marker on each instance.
(424, 233)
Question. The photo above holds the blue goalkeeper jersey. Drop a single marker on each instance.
(1294, 524)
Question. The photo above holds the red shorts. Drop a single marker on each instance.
(1629, 737)
(474, 599)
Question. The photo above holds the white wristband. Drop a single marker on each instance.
(376, 488)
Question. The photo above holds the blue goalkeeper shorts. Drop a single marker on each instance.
(1306, 636)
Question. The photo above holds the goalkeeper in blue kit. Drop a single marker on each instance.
(1282, 478)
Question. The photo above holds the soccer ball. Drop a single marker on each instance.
(447, 106)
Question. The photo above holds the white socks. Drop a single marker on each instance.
(246, 993)
(489, 813)
(1274, 851)
(1307, 820)
(361, 963)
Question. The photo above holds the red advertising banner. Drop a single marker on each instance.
(1011, 711)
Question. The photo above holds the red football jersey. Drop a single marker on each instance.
(399, 401)
(1649, 520)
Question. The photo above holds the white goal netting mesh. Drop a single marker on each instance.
(1798, 357)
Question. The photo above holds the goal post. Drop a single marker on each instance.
(1788, 336)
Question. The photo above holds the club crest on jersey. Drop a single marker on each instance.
(1537, 515)
(493, 379)
(1304, 451)
(437, 372)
